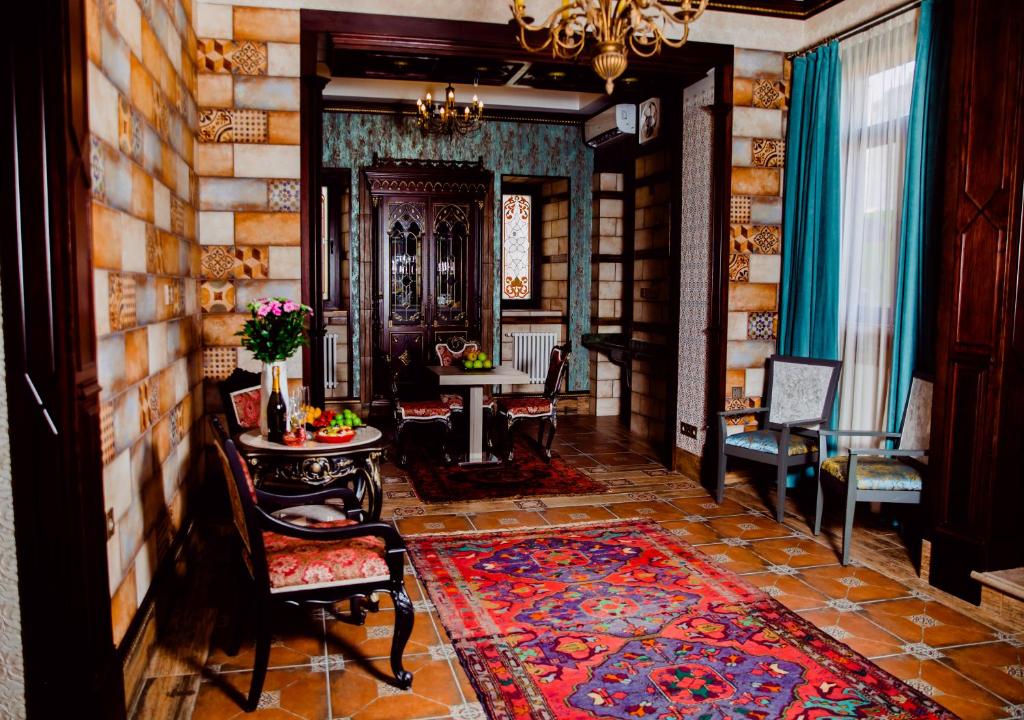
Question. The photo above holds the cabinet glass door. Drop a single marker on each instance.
(405, 262)
(451, 249)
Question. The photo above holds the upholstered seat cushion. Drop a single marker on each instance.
(875, 473)
(423, 410)
(295, 563)
(524, 406)
(767, 441)
(455, 402)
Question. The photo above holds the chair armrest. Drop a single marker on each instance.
(869, 452)
(799, 423)
(859, 433)
(278, 502)
(745, 411)
(392, 540)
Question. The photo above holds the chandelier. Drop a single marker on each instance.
(617, 27)
(444, 118)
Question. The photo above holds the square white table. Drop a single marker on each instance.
(452, 376)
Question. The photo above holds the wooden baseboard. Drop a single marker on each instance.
(685, 462)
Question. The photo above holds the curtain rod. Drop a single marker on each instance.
(858, 29)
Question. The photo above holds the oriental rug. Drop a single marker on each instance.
(624, 620)
(526, 476)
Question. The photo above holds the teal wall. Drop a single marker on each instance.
(507, 148)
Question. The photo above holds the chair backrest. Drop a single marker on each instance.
(242, 494)
(390, 377)
(558, 366)
(798, 388)
(916, 428)
(240, 394)
(451, 351)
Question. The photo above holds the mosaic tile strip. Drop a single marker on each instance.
(739, 209)
(240, 126)
(739, 267)
(762, 325)
(284, 195)
(761, 239)
(219, 362)
(243, 57)
(217, 296)
(769, 94)
(768, 152)
(107, 431)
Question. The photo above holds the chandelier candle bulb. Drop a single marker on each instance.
(445, 118)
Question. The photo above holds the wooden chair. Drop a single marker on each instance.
(415, 412)
(302, 565)
(798, 398)
(893, 475)
(451, 353)
(240, 395)
(543, 408)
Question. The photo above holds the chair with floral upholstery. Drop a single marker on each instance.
(240, 395)
(887, 474)
(319, 563)
(798, 397)
(544, 408)
(415, 412)
(451, 353)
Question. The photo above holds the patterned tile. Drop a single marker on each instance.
(217, 296)
(253, 262)
(240, 126)
(284, 195)
(739, 209)
(107, 431)
(739, 267)
(762, 325)
(218, 262)
(769, 94)
(177, 215)
(154, 397)
(154, 252)
(121, 301)
(124, 124)
(219, 362)
(145, 398)
(243, 57)
(767, 152)
(96, 169)
(761, 239)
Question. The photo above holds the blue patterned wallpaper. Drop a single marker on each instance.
(507, 148)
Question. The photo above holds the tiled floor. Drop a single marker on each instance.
(323, 667)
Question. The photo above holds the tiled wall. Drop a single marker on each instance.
(247, 160)
(760, 95)
(554, 265)
(141, 79)
(606, 288)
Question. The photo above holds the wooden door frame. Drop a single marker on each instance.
(60, 530)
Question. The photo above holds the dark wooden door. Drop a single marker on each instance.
(427, 229)
(976, 492)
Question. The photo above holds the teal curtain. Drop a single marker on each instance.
(809, 293)
(913, 319)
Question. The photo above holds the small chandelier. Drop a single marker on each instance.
(444, 118)
(617, 26)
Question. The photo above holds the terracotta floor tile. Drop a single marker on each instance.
(732, 558)
(856, 630)
(373, 639)
(855, 583)
(788, 590)
(917, 621)
(645, 510)
(621, 459)
(946, 687)
(705, 506)
(286, 694)
(695, 533)
(575, 514)
(749, 527)
(998, 666)
(433, 524)
(297, 637)
(506, 520)
(367, 694)
(795, 552)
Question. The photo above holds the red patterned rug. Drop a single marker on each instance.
(624, 620)
(526, 476)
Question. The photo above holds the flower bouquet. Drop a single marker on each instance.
(275, 331)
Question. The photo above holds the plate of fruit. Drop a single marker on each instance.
(475, 361)
(332, 426)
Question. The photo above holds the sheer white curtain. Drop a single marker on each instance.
(877, 78)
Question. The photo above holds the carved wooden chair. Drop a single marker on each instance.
(320, 563)
(798, 398)
(887, 474)
(544, 408)
(240, 395)
(451, 353)
(415, 412)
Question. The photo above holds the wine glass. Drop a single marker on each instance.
(298, 404)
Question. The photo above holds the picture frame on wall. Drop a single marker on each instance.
(649, 120)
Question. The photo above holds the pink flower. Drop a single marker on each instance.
(277, 308)
(264, 309)
(291, 306)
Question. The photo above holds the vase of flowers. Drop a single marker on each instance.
(275, 331)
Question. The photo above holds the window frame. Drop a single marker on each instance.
(337, 181)
(536, 243)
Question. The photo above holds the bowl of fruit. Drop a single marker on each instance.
(332, 426)
(475, 361)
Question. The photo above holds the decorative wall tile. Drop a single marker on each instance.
(107, 431)
(124, 124)
(739, 209)
(764, 239)
(218, 261)
(252, 262)
(756, 181)
(244, 57)
(753, 297)
(762, 325)
(266, 24)
(121, 301)
(739, 267)
(284, 195)
(758, 63)
(232, 126)
(768, 152)
(177, 216)
(266, 93)
(219, 362)
(267, 228)
(756, 122)
(268, 161)
(217, 296)
(145, 417)
(769, 94)
(765, 211)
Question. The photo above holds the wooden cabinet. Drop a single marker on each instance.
(428, 219)
(976, 492)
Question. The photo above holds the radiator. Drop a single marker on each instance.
(530, 353)
(331, 360)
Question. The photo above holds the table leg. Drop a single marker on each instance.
(374, 490)
(476, 423)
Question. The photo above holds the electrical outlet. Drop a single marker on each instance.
(110, 523)
(688, 430)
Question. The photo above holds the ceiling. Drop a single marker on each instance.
(797, 9)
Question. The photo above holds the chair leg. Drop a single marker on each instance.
(509, 443)
(551, 436)
(851, 507)
(819, 502)
(720, 484)
(262, 656)
(403, 629)
(445, 439)
(780, 492)
(403, 458)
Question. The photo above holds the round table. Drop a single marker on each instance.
(319, 464)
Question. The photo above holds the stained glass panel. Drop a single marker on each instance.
(405, 236)
(516, 239)
(451, 237)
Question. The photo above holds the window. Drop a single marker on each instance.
(517, 276)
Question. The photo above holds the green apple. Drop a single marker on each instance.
(481, 357)
(477, 364)
(488, 364)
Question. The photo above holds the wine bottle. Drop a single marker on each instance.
(277, 411)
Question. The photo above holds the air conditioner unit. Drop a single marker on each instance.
(613, 123)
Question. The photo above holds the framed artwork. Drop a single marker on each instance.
(245, 404)
(649, 120)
